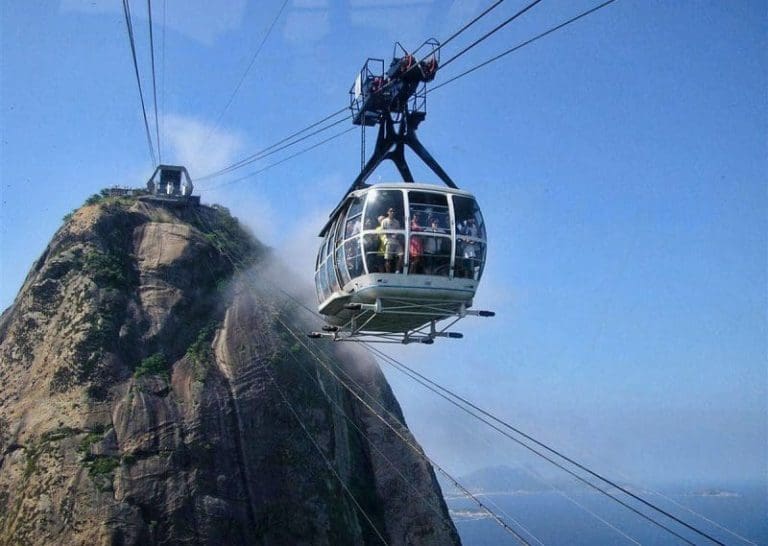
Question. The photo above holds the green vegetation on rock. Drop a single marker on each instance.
(101, 465)
(107, 269)
(224, 232)
(33, 454)
(90, 439)
(93, 199)
(200, 353)
(58, 434)
(152, 365)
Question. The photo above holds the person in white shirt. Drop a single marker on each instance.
(393, 249)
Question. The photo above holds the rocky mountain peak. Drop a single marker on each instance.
(155, 391)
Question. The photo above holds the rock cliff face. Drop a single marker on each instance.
(153, 392)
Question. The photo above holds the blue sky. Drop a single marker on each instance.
(620, 164)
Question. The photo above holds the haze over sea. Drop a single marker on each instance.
(553, 519)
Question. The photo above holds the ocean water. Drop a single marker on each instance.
(555, 520)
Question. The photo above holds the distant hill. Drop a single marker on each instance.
(495, 479)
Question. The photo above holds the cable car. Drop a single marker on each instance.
(398, 257)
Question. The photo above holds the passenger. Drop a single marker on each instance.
(353, 228)
(393, 249)
(382, 240)
(433, 245)
(371, 246)
(469, 228)
(469, 249)
(416, 246)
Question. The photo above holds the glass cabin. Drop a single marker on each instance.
(401, 240)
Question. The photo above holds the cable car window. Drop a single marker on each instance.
(469, 220)
(329, 238)
(353, 262)
(427, 205)
(333, 281)
(319, 288)
(354, 218)
(334, 234)
(470, 259)
(357, 206)
(342, 264)
(321, 252)
(341, 276)
(324, 247)
(354, 226)
(338, 230)
(430, 251)
(386, 207)
(378, 204)
(429, 254)
(373, 248)
(322, 281)
(353, 257)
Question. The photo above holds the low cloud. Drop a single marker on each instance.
(185, 138)
(301, 245)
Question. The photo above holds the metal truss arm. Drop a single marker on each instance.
(390, 144)
(413, 142)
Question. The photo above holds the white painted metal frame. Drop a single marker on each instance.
(354, 330)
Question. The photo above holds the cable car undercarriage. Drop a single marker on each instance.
(357, 327)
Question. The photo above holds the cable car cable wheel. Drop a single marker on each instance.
(398, 257)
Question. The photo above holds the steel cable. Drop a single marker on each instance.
(328, 463)
(238, 263)
(129, 25)
(490, 33)
(276, 163)
(154, 83)
(429, 384)
(256, 156)
(162, 71)
(449, 395)
(414, 447)
(264, 39)
(525, 43)
(266, 152)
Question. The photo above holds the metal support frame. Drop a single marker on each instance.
(395, 100)
(390, 144)
(355, 329)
